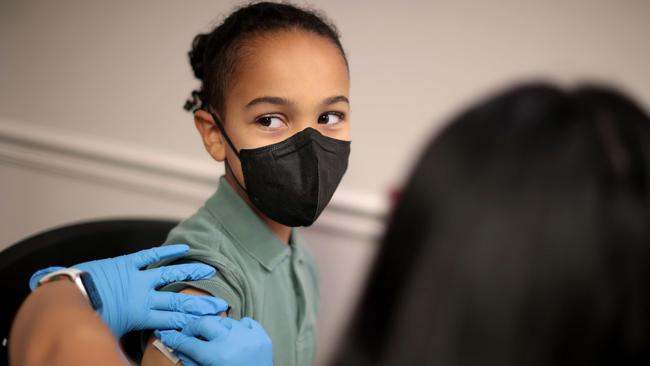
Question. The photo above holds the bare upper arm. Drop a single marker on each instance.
(152, 356)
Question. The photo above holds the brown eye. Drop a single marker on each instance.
(330, 118)
(270, 122)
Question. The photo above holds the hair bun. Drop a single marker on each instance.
(197, 54)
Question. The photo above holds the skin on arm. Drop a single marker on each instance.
(152, 356)
(54, 323)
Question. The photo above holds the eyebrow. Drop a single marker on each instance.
(285, 101)
(269, 100)
(336, 99)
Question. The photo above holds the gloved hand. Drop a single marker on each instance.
(129, 296)
(222, 342)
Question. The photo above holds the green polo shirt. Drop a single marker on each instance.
(258, 275)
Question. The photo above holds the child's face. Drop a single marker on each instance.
(287, 81)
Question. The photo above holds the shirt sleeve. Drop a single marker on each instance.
(206, 244)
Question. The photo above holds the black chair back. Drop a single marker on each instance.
(66, 246)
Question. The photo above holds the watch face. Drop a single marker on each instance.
(91, 290)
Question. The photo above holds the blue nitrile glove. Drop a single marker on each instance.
(129, 297)
(223, 342)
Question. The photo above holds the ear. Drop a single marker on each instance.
(213, 140)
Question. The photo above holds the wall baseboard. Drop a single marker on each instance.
(158, 173)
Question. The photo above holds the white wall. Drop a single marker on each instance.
(118, 69)
(91, 123)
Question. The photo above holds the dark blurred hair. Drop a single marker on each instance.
(215, 55)
(522, 238)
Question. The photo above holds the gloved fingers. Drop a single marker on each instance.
(229, 323)
(244, 326)
(150, 256)
(190, 304)
(160, 319)
(236, 326)
(185, 360)
(189, 346)
(181, 272)
(206, 327)
(253, 325)
(247, 322)
(33, 281)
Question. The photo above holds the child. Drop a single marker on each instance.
(274, 106)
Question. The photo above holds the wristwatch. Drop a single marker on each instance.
(83, 280)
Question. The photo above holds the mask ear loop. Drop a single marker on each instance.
(217, 121)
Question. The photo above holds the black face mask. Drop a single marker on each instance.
(293, 180)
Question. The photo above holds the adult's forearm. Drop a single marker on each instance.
(57, 326)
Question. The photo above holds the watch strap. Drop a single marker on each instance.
(82, 279)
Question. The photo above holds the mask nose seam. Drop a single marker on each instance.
(320, 187)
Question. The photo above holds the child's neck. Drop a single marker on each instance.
(283, 232)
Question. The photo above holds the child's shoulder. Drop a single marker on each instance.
(209, 243)
(199, 231)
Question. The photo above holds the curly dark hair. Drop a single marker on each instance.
(214, 55)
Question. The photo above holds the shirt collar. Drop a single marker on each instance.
(245, 227)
